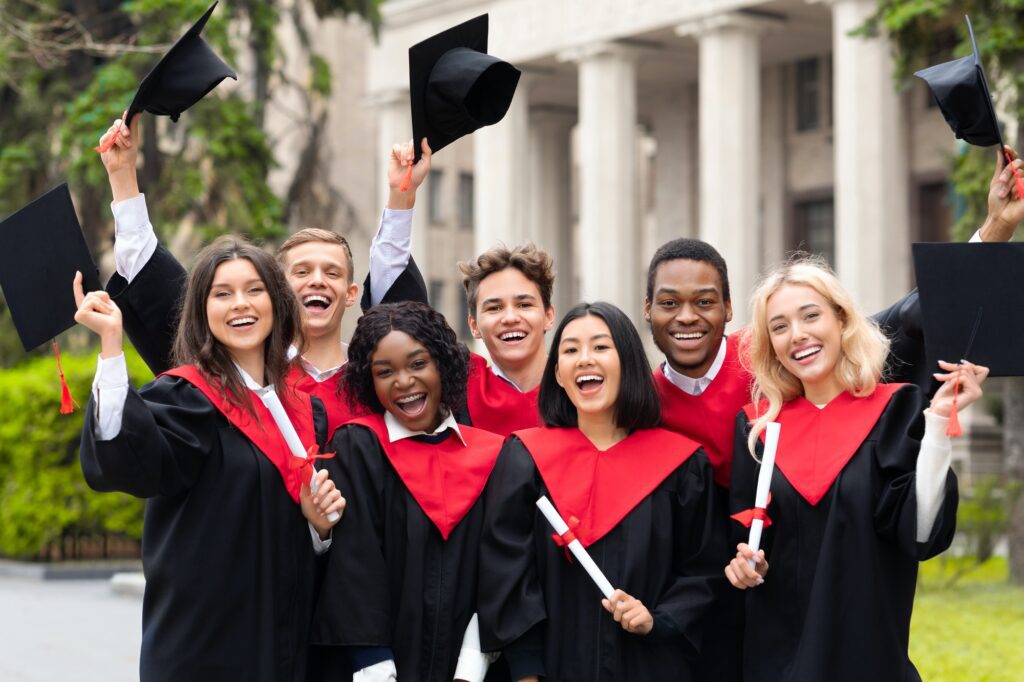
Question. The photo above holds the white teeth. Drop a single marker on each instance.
(315, 297)
(588, 377)
(242, 321)
(806, 352)
(512, 335)
(410, 398)
(689, 336)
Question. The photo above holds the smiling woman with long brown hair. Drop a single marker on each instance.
(227, 550)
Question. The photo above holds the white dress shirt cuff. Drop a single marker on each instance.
(319, 546)
(390, 251)
(473, 664)
(930, 481)
(134, 238)
(110, 391)
(976, 237)
(384, 671)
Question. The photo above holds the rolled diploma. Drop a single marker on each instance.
(764, 484)
(577, 549)
(284, 424)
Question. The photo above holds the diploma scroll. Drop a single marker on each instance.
(577, 549)
(764, 483)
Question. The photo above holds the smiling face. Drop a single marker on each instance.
(238, 308)
(320, 275)
(510, 318)
(688, 314)
(407, 381)
(806, 335)
(588, 366)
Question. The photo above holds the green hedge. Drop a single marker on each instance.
(43, 496)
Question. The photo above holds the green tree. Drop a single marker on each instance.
(915, 28)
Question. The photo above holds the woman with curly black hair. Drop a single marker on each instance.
(399, 595)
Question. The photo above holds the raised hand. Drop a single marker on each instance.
(98, 312)
(968, 375)
(1005, 205)
(121, 159)
(399, 161)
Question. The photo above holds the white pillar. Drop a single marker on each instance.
(500, 169)
(608, 213)
(773, 167)
(549, 223)
(730, 144)
(871, 183)
(675, 166)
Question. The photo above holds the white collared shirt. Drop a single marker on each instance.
(699, 385)
(308, 367)
(501, 375)
(397, 432)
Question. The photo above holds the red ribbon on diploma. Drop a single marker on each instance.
(568, 536)
(313, 453)
(748, 516)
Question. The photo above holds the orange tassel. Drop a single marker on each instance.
(105, 147)
(67, 403)
(406, 180)
(953, 426)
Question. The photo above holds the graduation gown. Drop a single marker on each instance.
(841, 548)
(646, 512)
(402, 569)
(226, 551)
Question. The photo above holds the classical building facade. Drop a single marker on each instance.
(761, 127)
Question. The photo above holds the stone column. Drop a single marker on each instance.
(675, 166)
(608, 213)
(871, 170)
(500, 169)
(730, 144)
(549, 220)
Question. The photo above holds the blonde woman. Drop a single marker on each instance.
(861, 492)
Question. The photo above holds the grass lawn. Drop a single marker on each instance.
(972, 632)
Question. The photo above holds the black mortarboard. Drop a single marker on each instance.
(182, 77)
(961, 91)
(41, 248)
(972, 302)
(455, 87)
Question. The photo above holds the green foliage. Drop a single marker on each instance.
(321, 80)
(43, 495)
(971, 173)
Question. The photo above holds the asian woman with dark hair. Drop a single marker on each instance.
(227, 550)
(639, 498)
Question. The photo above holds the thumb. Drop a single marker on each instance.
(77, 288)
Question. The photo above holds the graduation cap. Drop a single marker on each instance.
(182, 77)
(961, 91)
(972, 300)
(41, 248)
(455, 87)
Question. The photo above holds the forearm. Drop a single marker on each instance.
(932, 467)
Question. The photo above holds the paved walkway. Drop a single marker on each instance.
(75, 630)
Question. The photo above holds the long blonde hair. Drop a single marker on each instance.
(863, 345)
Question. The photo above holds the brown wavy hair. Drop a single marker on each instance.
(534, 262)
(194, 343)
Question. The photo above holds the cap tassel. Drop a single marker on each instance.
(105, 147)
(953, 425)
(406, 180)
(67, 403)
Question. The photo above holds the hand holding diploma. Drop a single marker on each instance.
(749, 567)
(629, 612)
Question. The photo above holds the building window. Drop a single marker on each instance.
(436, 294)
(466, 201)
(435, 204)
(464, 331)
(808, 93)
(814, 227)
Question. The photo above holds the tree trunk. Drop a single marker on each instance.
(1013, 467)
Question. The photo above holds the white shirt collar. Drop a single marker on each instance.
(308, 367)
(398, 432)
(699, 385)
(501, 375)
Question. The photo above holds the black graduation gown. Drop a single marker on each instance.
(837, 599)
(668, 552)
(227, 553)
(391, 579)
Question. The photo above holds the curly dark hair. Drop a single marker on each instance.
(422, 323)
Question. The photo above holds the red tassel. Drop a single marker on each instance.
(406, 180)
(953, 426)
(67, 403)
(105, 147)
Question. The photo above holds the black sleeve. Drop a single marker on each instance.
(150, 307)
(900, 429)
(907, 361)
(168, 431)
(408, 287)
(320, 423)
(510, 600)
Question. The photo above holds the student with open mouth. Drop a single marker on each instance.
(639, 498)
(399, 594)
(227, 547)
(861, 490)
